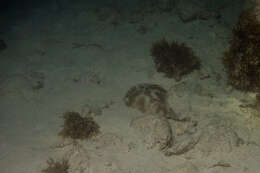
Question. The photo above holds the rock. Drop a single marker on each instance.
(155, 127)
(149, 99)
(183, 144)
(107, 12)
(187, 11)
(186, 137)
(155, 131)
(165, 5)
(37, 80)
(156, 5)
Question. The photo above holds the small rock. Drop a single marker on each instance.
(155, 131)
(38, 85)
(142, 30)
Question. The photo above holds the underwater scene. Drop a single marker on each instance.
(137, 86)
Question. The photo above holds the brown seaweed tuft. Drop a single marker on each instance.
(78, 127)
(174, 59)
(242, 60)
(56, 166)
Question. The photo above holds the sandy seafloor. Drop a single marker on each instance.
(81, 60)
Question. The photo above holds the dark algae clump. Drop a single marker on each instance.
(56, 166)
(78, 127)
(174, 59)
